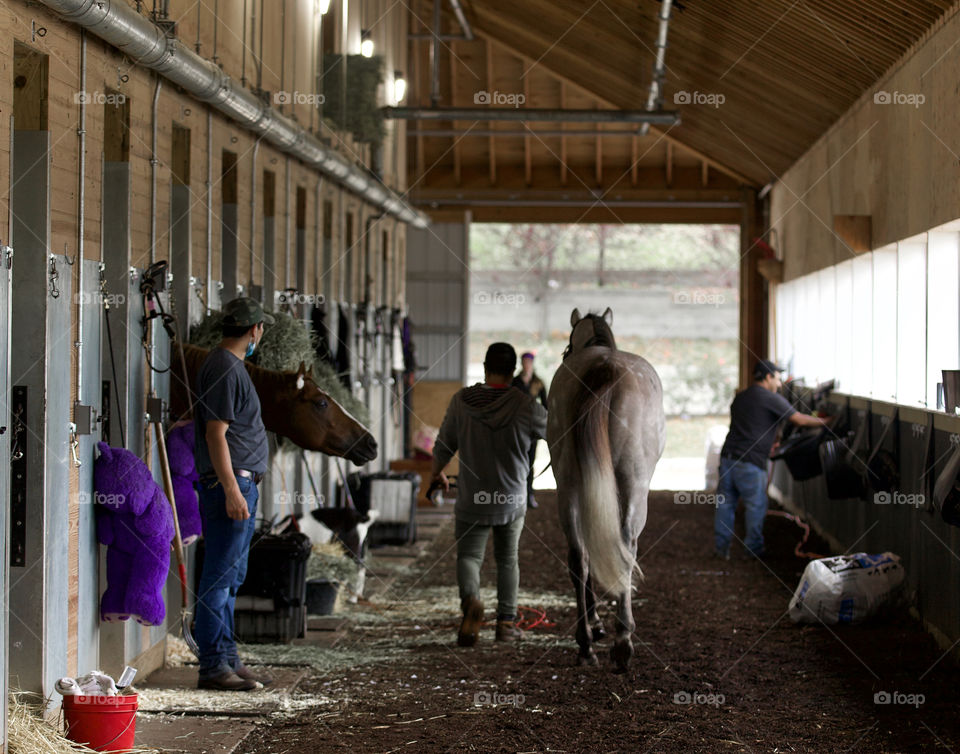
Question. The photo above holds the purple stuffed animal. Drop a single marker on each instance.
(135, 522)
(183, 470)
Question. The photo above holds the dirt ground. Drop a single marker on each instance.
(719, 667)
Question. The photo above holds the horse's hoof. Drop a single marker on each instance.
(598, 631)
(620, 653)
(588, 660)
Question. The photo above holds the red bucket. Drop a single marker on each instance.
(104, 723)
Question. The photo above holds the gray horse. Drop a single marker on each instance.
(605, 428)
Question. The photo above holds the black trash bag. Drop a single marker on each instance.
(800, 453)
(946, 490)
(883, 472)
(844, 480)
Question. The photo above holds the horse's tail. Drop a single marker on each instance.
(610, 561)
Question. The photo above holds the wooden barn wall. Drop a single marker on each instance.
(904, 523)
(110, 72)
(894, 162)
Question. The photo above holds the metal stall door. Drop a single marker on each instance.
(88, 631)
(6, 261)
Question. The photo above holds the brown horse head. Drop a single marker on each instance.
(292, 405)
(313, 420)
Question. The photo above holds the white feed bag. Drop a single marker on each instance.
(846, 588)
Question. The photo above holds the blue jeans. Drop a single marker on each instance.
(226, 546)
(740, 480)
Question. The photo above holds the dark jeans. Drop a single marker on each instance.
(740, 480)
(226, 546)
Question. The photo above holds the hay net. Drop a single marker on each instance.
(284, 345)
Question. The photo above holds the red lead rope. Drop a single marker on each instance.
(798, 550)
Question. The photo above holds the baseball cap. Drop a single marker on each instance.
(765, 367)
(527, 355)
(245, 312)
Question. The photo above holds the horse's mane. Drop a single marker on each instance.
(602, 334)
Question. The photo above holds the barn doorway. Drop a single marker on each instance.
(674, 292)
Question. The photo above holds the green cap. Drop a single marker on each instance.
(245, 312)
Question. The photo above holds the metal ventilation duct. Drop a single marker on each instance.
(142, 41)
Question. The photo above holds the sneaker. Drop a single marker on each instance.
(470, 625)
(722, 555)
(248, 675)
(226, 682)
(507, 630)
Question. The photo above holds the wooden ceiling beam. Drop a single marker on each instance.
(527, 156)
(491, 143)
(563, 139)
(453, 103)
(512, 179)
(597, 214)
(598, 157)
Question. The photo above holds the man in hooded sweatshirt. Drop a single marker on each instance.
(492, 426)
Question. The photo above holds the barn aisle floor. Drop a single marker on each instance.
(718, 664)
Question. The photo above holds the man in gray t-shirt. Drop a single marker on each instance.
(231, 456)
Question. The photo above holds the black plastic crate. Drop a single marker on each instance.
(271, 603)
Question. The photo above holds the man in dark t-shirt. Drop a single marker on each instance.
(755, 415)
(231, 457)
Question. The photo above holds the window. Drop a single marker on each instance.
(912, 322)
(884, 384)
(844, 320)
(861, 322)
(883, 324)
(943, 312)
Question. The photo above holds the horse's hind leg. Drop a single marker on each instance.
(592, 617)
(622, 649)
(577, 565)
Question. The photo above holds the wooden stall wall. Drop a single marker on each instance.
(889, 163)
(287, 61)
